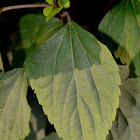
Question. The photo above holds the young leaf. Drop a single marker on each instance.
(33, 31)
(14, 109)
(76, 81)
(50, 1)
(122, 26)
(64, 3)
(47, 10)
(127, 123)
(53, 13)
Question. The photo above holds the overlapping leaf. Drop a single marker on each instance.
(33, 31)
(14, 109)
(76, 81)
(127, 123)
(122, 26)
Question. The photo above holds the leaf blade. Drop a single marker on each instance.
(47, 10)
(65, 86)
(52, 13)
(64, 3)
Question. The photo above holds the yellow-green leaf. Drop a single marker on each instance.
(47, 10)
(49, 1)
(53, 13)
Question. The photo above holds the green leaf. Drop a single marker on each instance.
(50, 1)
(52, 136)
(47, 10)
(76, 81)
(64, 3)
(1, 63)
(122, 26)
(53, 13)
(14, 109)
(33, 31)
(127, 123)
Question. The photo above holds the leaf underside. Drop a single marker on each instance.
(14, 109)
(127, 123)
(76, 81)
(122, 26)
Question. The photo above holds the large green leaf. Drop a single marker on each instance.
(127, 123)
(122, 26)
(76, 81)
(33, 31)
(14, 109)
